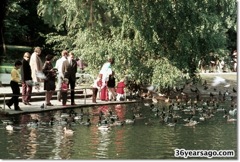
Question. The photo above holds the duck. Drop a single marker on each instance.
(33, 124)
(78, 117)
(87, 123)
(130, 121)
(139, 116)
(68, 131)
(116, 122)
(104, 127)
(64, 115)
(172, 124)
(233, 112)
(231, 119)
(201, 118)
(167, 100)
(191, 123)
(9, 127)
(154, 100)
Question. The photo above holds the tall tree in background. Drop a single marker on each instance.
(145, 37)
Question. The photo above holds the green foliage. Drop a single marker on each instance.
(152, 41)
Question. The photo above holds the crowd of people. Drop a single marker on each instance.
(31, 71)
(215, 64)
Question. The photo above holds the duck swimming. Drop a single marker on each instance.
(68, 131)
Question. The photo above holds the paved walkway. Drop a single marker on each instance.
(35, 107)
(81, 100)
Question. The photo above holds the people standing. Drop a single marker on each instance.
(26, 79)
(120, 90)
(69, 69)
(14, 83)
(111, 87)
(60, 75)
(234, 60)
(49, 82)
(36, 64)
(104, 75)
(64, 91)
(96, 85)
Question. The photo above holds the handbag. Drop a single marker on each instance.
(41, 75)
(29, 83)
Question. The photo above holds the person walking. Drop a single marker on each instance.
(60, 75)
(49, 82)
(14, 83)
(26, 79)
(69, 69)
(36, 64)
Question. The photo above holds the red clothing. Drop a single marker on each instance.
(104, 94)
(64, 87)
(120, 88)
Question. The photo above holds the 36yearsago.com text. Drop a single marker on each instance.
(182, 153)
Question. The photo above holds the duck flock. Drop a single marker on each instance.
(187, 106)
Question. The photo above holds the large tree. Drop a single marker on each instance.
(152, 41)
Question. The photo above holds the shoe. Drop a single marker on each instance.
(49, 104)
(73, 104)
(25, 103)
(9, 106)
(64, 105)
(28, 103)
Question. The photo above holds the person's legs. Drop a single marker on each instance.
(24, 92)
(28, 93)
(64, 98)
(16, 93)
(72, 87)
(46, 97)
(59, 83)
(94, 95)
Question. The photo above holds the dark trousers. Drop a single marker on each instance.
(64, 97)
(72, 87)
(15, 92)
(94, 96)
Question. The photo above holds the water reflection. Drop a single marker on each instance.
(137, 141)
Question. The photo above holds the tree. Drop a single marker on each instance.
(143, 36)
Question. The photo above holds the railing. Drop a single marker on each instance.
(36, 94)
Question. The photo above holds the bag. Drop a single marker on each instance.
(29, 83)
(41, 75)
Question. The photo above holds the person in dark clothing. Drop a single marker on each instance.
(111, 87)
(26, 79)
(49, 82)
(69, 69)
(15, 80)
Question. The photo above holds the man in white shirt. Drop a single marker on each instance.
(60, 73)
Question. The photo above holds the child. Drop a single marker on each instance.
(96, 85)
(120, 90)
(64, 91)
(15, 80)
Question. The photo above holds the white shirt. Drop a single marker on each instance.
(59, 64)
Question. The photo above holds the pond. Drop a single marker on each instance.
(41, 136)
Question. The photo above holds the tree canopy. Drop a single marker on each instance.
(152, 41)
